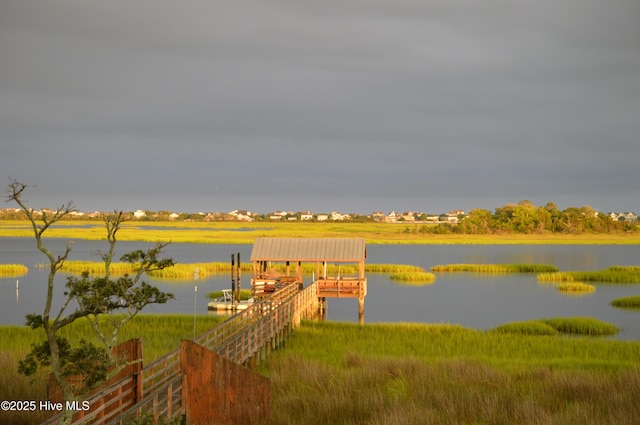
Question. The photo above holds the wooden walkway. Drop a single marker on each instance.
(247, 336)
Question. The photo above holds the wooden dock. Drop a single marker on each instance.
(173, 385)
(167, 387)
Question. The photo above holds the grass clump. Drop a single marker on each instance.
(416, 278)
(627, 302)
(528, 327)
(182, 271)
(582, 326)
(575, 288)
(13, 270)
(613, 274)
(561, 325)
(495, 268)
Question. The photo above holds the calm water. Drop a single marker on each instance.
(471, 300)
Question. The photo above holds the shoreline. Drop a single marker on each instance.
(245, 233)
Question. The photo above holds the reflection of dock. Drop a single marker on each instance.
(292, 252)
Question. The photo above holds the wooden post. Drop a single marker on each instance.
(233, 280)
(238, 277)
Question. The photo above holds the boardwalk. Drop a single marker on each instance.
(246, 336)
(204, 379)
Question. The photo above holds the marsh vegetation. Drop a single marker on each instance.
(13, 270)
(613, 274)
(495, 268)
(409, 373)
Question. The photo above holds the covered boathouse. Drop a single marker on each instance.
(278, 262)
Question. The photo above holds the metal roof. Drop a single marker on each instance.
(309, 249)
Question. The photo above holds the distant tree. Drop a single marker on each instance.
(478, 221)
(95, 297)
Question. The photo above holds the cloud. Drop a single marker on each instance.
(363, 104)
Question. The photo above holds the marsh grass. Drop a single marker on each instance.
(413, 278)
(495, 268)
(18, 387)
(186, 271)
(632, 302)
(406, 374)
(13, 270)
(582, 326)
(161, 334)
(564, 325)
(443, 374)
(245, 233)
(613, 274)
(575, 288)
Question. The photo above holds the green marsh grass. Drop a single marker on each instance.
(586, 326)
(407, 374)
(575, 288)
(445, 374)
(614, 274)
(13, 270)
(627, 302)
(245, 233)
(161, 334)
(413, 278)
(582, 326)
(186, 271)
(495, 268)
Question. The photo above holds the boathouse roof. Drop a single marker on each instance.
(309, 249)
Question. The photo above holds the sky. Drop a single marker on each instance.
(353, 106)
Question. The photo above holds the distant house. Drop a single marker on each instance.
(278, 215)
(322, 217)
(623, 216)
(338, 216)
(306, 215)
(242, 215)
(139, 214)
(392, 217)
(378, 216)
(408, 216)
(174, 216)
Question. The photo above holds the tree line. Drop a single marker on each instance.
(526, 218)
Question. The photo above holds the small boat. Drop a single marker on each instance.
(226, 302)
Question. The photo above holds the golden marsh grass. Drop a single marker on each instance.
(245, 233)
(495, 268)
(13, 270)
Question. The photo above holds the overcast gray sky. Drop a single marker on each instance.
(327, 105)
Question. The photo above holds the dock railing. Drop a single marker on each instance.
(247, 335)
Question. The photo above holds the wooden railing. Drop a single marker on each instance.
(158, 391)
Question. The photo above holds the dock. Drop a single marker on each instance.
(291, 253)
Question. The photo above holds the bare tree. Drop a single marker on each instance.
(95, 298)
